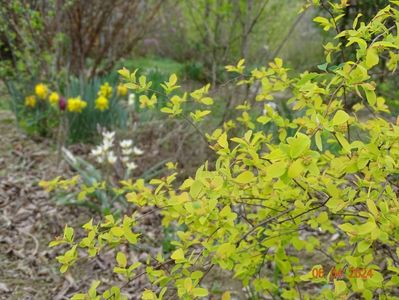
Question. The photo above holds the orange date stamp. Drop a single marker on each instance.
(339, 273)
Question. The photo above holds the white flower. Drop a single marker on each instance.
(126, 143)
(131, 99)
(107, 144)
(111, 157)
(109, 135)
(97, 151)
(100, 159)
(108, 140)
(131, 166)
(137, 151)
(125, 159)
(127, 151)
(334, 237)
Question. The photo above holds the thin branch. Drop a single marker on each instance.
(267, 221)
(304, 213)
(258, 205)
(287, 36)
(206, 273)
(196, 128)
(326, 254)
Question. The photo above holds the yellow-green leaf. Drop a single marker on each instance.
(298, 144)
(371, 96)
(295, 169)
(172, 79)
(366, 228)
(68, 233)
(148, 295)
(200, 292)
(178, 255)
(121, 259)
(322, 217)
(340, 117)
(343, 142)
(116, 231)
(372, 57)
(226, 296)
(319, 143)
(195, 189)
(124, 72)
(363, 246)
(245, 177)
(225, 250)
(372, 207)
(207, 100)
(340, 286)
(222, 140)
(277, 169)
(376, 278)
(129, 235)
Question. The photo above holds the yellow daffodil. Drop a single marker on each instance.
(76, 104)
(105, 90)
(54, 98)
(30, 101)
(102, 103)
(121, 90)
(41, 90)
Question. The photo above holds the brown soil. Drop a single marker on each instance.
(29, 219)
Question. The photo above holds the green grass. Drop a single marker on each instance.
(4, 103)
(4, 97)
(161, 65)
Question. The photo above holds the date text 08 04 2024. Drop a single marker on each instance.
(336, 273)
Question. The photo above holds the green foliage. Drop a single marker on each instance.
(277, 199)
(390, 91)
(84, 126)
(156, 71)
(27, 51)
(194, 71)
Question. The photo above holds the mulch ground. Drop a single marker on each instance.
(30, 219)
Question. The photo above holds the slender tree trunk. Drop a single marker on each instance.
(246, 31)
